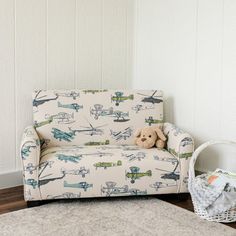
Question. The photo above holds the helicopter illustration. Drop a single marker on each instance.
(90, 130)
(132, 157)
(72, 94)
(186, 141)
(43, 181)
(44, 165)
(119, 97)
(124, 134)
(98, 111)
(39, 101)
(61, 135)
(64, 195)
(140, 107)
(83, 185)
(136, 174)
(151, 99)
(74, 106)
(44, 143)
(93, 91)
(62, 117)
(172, 160)
(42, 123)
(171, 174)
(158, 185)
(81, 171)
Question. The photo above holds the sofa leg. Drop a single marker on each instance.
(34, 203)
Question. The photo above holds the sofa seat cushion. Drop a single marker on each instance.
(106, 170)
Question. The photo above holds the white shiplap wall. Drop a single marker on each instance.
(187, 48)
(57, 44)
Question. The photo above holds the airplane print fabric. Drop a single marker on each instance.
(81, 145)
(81, 117)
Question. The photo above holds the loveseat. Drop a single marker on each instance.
(82, 145)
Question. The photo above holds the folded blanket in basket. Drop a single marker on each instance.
(213, 199)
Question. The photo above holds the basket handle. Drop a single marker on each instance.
(200, 149)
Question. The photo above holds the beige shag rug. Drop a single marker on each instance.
(133, 216)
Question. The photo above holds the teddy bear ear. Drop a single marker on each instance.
(137, 133)
(160, 134)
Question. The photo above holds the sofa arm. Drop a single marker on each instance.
(181, 145)
(30, 155)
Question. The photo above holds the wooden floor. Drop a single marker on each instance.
(11, 199)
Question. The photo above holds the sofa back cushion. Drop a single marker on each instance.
(93, 117)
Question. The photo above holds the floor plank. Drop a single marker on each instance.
(12, 199)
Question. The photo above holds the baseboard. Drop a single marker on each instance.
(10, 179)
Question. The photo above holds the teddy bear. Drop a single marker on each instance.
(148, 137)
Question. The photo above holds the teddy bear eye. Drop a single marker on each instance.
(150, 136)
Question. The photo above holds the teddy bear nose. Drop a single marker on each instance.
(143, 139)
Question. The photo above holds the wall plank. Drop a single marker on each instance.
(114, 43)
(30, 59)
(165, 54)
(228, 108)
(7, 97)
(208, 78)
(61, 43)
(89, 39)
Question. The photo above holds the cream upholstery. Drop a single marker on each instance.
(81, 145)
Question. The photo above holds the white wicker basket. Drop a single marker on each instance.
(227, 216)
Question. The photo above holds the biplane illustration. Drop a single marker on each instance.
(151, 99)
(26, 149)
(158, 185)
(41, 100)
(135, 174)
(172, 160)
(81, 171)
(42, 123)
(61, 135)
(140, 107)
(43, 181)
(105, 165)
(31, 182)
(69, 158)
(101, 143)
(71, 94)
(120, 116)
(98, 111)
(124, 134)
(73, 106)
(62, 117)
(90, 130)
(135, 156)
(93, 91)
(83, 185)
(64, 195)
(112, 189)
(30, 168)
(120, 97)
(150, 121)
